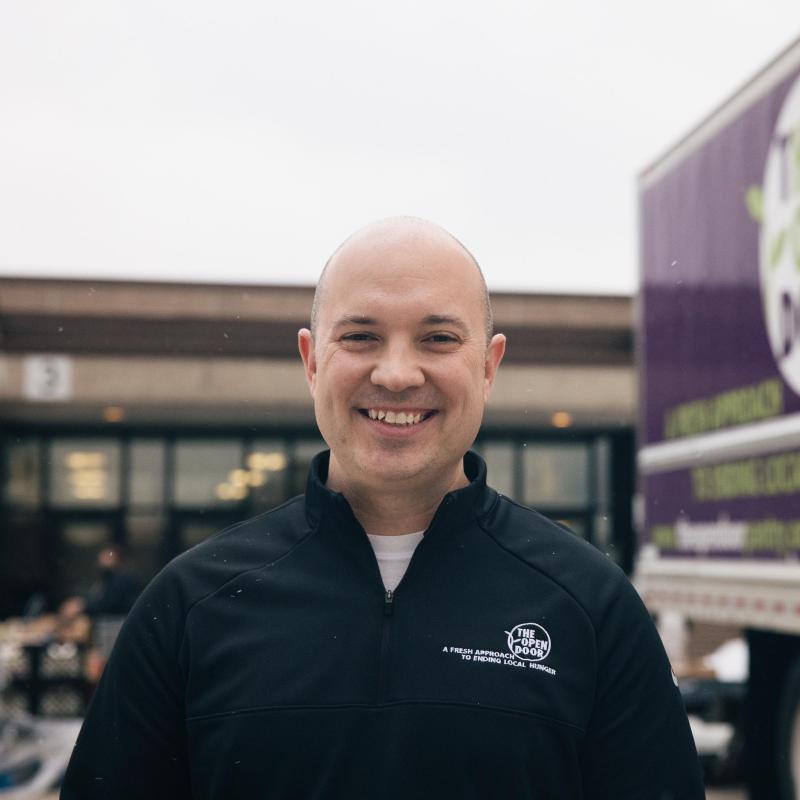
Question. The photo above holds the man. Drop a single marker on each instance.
(279, 660)
(112, 594)
(106, 604)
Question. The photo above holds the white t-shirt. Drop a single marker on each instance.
(393, 554)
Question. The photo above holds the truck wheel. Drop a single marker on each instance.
(788, 739)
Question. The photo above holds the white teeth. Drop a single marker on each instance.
(396, 417)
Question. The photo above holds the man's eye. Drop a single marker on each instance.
(358, 337)
(442, 338)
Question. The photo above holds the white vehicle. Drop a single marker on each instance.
(719, 359)
(34, 751)
(34, 754)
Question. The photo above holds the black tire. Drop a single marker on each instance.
(788, 735)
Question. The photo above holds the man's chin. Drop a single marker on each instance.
(389, 468)
(396, 470)
(402, 470)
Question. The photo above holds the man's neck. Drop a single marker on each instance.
(397, 511)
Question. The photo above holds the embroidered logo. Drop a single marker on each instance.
(529, 642)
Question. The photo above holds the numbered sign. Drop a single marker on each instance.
(47, 377)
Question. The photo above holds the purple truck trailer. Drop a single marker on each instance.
(719, 360)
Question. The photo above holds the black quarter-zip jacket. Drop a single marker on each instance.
(513, 661)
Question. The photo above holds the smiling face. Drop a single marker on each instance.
(400, 369)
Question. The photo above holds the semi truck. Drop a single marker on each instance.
(718, 341)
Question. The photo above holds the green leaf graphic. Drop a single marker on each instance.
(776, 251)
(795, 240)
(754, 200)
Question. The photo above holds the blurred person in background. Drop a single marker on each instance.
(112, 594)
(100, 612)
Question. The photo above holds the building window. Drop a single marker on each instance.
(556, 475)
(146, 476)
(84, 473)
(500, 465)
(267, 465)
(79, 542)
(208, 473)
(304, 451)
(144, 534)
(22, 474)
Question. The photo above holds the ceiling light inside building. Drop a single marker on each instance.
(239, 477)
(88, 492)
(267, 462)
(258, 478)
(113, 413)
(227, 491)
(561, 419)
(79, 459)
(88, 477)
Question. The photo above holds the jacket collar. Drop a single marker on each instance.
(473, 500)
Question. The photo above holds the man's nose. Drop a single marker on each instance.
(398, 368)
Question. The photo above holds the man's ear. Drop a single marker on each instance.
(305, 344)
(494, 355)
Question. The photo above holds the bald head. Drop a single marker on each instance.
(401, 318)
(410, 235)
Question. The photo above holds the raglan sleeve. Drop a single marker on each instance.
(638, 744)
(133, 740)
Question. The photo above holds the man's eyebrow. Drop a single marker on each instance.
(431, 319)
(445, 319)
(354, 319)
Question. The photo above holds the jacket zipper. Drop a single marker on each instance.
(386, 619)
(383, 656)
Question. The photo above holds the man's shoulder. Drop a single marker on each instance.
(550, 548)
(239, 548)
(536, 537)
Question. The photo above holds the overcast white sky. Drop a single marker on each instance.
(242, 141)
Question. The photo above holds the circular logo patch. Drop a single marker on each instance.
(779, 245)
(529, 642)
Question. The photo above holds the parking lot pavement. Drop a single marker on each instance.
(711, 794)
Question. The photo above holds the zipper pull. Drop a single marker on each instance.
(388, 600)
